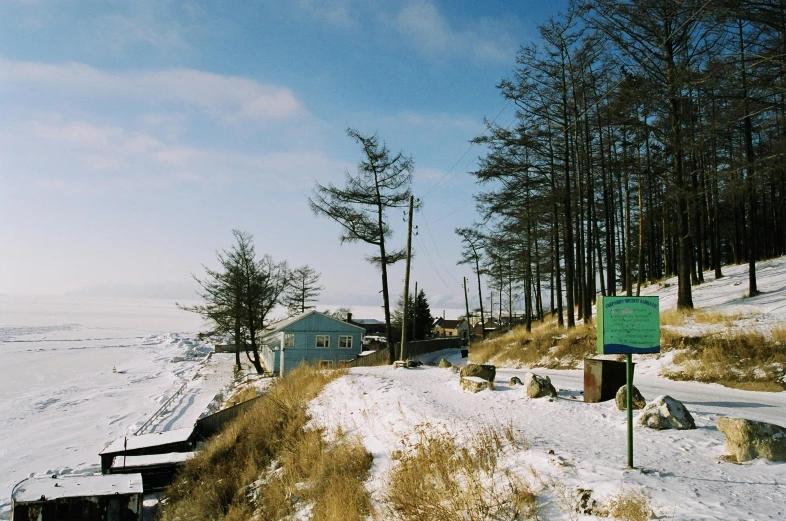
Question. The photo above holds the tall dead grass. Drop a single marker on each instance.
(547, 345)
(268, 464)
(439, 480)
(748, 360)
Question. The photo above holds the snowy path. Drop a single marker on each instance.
(710, 399)
(681, 469)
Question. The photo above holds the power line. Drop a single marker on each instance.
(472, 144)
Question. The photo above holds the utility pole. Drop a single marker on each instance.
(466, 299)
(466, 304)
(415, 312)
(406, 282)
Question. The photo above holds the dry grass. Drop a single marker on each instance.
(242, 395)
(676, 318)
(746, 360)
(631, 505)
(439, 480)
(778, 335)
(673, 317)
(268, 464)
(547, 345)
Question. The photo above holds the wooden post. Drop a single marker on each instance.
(402, 356)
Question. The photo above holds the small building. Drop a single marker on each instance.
(157, 470)
(311, 337)
(445, 327)
(78, 498)
(372, 326)
(178, 440)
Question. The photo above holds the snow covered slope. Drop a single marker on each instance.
(582, 445)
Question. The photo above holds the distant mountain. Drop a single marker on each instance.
(184, 290)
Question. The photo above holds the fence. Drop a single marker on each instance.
(418, 347)
(209, 425)
(380, 357)
(422, 347)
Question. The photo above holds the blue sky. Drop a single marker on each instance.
(134, 136)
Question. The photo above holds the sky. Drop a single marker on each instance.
(135, 136)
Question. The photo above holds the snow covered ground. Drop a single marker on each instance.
(76, 373)
(583, 445)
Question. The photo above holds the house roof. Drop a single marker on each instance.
(55, 487)
(125, 443)
(151, 460)
(279, 326)
(449, 324)
(368, 321)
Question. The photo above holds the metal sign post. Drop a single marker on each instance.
(628, 325)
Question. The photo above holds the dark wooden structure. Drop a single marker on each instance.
(78, 498)
(157, 470)
(179, 440)
(213, 423)
(602, 379)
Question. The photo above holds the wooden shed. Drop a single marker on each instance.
(178, 440)
(157, 470)
(78, 498)
(311, 337)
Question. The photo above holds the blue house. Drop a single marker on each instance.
(311, 337)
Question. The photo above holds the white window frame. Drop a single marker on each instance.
(347, 339)
(327, 343)
(289, 340)
(326, 363)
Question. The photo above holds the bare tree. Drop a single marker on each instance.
(471, 254)
(382, 181)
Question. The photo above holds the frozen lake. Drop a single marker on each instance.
(76, 373)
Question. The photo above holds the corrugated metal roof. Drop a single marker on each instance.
(55, 487)
(151, 460)
(277, 327)
(148, 440)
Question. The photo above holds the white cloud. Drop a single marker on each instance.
(431, 34)
(84, 157)
(227, 98)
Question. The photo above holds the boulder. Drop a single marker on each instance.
(487, 372)
(445, 364)
(515, 381)
(747, 439)
(622, 400)
(539, 386)
(475, 384)
(664, 412)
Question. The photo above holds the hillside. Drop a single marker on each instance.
(434, 451)
(576, 450)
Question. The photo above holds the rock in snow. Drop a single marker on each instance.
(475, 384)
(444, 363)
(539, 386)
(748, 439)
(487, 372)
(515, 381)
(637, 399)
(664, 412)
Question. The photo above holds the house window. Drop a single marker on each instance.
(323, 341)
(326, 363)
(345, 341)
(289, 339)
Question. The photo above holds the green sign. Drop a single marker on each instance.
(628, 325)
